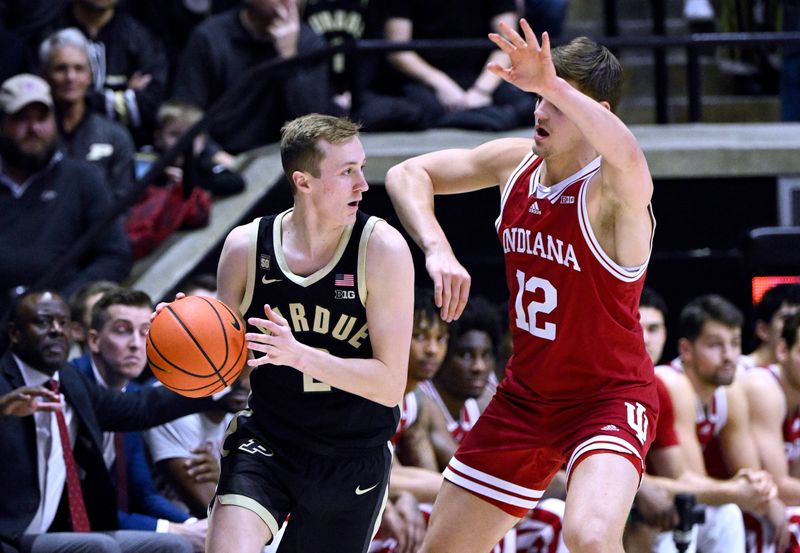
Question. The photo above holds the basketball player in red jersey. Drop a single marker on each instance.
(576, 229)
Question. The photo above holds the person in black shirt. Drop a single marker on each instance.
(327, 292)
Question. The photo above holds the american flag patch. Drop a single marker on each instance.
(344, 280)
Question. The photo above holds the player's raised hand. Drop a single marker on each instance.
(451, 283)
(27, 400)
(532, 66)
(278, 344)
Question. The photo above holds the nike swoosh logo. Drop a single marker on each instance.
(235, 323)
(265, 280)
(359, 491)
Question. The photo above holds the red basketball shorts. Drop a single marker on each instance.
(518, 444)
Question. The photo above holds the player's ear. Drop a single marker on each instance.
(762, 330)
(606, 105)
(301, 181)
(93, 340)
(685, 350)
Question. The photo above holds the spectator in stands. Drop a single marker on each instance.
(128, 63)
(80, 310)
(710, 407)
(652, 317)
(47, 201)
(120, 321)
(223, 48)
(778, 302)
(790, 66)
(207, 167)
(52, 510)
(457, 89)
(85, 134)
(355, 86)
(545, 15)
(173, 20)
(773, 395)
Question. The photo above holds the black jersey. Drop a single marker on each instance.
(325, 310)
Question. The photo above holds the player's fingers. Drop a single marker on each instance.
(463, 296)
(527, 31)
(29, 392)
(546, 44)
(274, 316)
(499, 70)
(501, 43)
(447, 294)
(512, 36)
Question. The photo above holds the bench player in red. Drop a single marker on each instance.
(576, 228)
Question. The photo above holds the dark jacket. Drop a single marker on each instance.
(97, 410)
(146, 505)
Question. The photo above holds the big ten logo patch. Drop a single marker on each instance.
(344, 294)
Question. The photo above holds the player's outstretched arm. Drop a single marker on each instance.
(412, 184)
(624, 170)
(390, 313)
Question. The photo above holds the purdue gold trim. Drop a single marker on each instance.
(369, 226)
(251, 505)
(252, 253)
(277, 241)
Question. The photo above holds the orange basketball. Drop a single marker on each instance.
(196, 346)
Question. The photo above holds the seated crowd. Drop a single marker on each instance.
(727, 433)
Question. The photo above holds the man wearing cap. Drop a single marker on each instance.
(47, 202)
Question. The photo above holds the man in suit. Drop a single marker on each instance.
(43, 482)
(120, 320)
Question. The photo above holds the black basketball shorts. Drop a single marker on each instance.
(334, 503)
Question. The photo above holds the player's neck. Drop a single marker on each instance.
(702, 389)
(454, 404)
(762, 356)
(308, 243)
(92, 20)
(556, 168)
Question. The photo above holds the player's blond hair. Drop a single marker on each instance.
(592, 67)
(300, 141)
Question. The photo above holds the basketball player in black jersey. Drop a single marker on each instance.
(327, 293)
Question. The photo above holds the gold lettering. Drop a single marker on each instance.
(362, 333)
(322, 318)
(298, 315)
(343, 327)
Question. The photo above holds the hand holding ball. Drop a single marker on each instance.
(196, 346)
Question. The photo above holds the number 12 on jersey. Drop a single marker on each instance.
(527, 320)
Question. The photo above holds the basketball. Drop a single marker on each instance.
(196, 346)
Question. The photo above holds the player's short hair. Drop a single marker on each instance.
(651, 298)
(791, 326)
(71, 36)
(300, 137)
(77, 303)
(707, 308)
(122, 296)
(774, 298)
(480, 314)
(592, 67)
(177, 110)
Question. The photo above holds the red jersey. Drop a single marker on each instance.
(409, 410)
(467, 416)
(791, 424)
(665, 427)
(574, 312)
